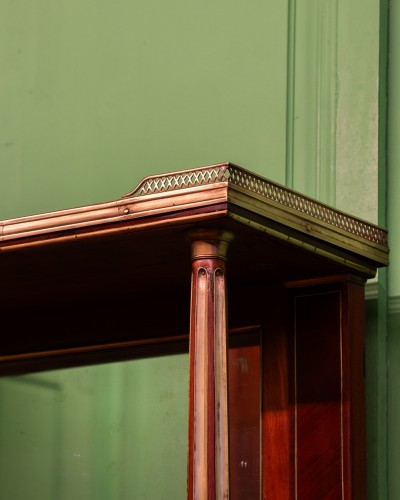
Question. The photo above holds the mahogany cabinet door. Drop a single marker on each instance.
(313, 407)
(327, 392)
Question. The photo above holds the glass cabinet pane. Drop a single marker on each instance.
(245, 418)
(119, 430)
(111, 431)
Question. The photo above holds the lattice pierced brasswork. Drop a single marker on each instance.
(181, 180)
(306, 205)
(240, 177)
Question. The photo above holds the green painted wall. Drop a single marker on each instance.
(94, 95)
(97, 94)
(394, 270)
(104, 432)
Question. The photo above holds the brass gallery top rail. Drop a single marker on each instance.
(232, 174)
(223, 191)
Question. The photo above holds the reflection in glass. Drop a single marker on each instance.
(245, 418)
(119, 430)
(113, 431)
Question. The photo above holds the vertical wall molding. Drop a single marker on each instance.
(312, 97)
(327, 100)
(290, 75)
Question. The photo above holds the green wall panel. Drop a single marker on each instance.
(394, 404)
(393, 185)
(393, 212)
(358, 86)
(96, 95)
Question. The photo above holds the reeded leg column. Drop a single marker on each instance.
(208, 469)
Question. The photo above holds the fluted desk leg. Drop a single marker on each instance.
(208, 469)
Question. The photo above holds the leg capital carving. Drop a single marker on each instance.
(209, 244)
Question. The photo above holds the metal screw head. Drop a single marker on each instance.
(126, 211)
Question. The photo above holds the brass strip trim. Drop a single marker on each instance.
(200, 387)
(114, 230)
(111, 212)
(341, 391)
(322, 230)
(112, 346)
(221, 389)
(369, 272)
(295, 400)
(325, 280)
(92, 348)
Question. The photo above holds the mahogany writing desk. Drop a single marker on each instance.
(161, 262)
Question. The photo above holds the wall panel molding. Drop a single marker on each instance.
(312, 97)
(326, 100)
(290, 91)
(394, 305)
(358, 147)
